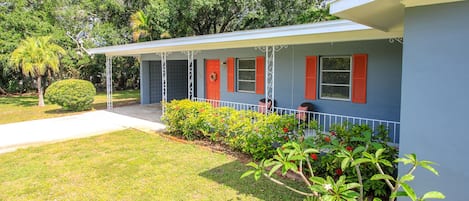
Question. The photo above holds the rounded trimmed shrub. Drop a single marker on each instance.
(71, 94)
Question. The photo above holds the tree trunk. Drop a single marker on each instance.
(2, 91)
(40, 92)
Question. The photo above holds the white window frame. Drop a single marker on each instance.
(245, 70)
(338, 71)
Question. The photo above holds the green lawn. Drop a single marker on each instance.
(24, 108)
(129, 165)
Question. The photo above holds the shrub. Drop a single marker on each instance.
(247, 131)
(71, 94)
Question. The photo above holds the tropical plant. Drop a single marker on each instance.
(140, 25)
(294, 157)
(35, 56)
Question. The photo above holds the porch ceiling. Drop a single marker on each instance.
(330, 31)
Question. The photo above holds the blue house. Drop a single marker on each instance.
(395, 63)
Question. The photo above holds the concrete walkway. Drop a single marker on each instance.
(23, 134)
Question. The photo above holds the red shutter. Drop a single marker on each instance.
(311, 77)
(360, 62)
(260, 71)
(230, 74)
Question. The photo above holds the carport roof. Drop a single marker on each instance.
(329, 31)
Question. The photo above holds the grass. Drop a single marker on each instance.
(129, 165)
(24, 108)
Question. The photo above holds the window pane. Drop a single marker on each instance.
(337, 63)
(335, 92)
(247, 75)
(247, 64)
(246, 86)
(335, 78)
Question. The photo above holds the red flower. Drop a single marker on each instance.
(327, 139)
(338, 172)
(285, 130)
(333, 133)
(314, 156)
(349, 148)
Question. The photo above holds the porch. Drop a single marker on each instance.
(286, 60)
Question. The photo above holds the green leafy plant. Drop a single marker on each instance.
(295, 158)
(247, 131)
(71, 94)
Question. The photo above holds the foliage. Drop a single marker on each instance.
(294, 157)
(36, 56)
(78, 25)
(248, 131)
(72, 94)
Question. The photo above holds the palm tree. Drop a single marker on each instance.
(34, 56)
(140, 25)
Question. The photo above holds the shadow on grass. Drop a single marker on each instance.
(229, 175)
(23, 101)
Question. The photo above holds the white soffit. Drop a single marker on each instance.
(413, 3)
(385, 15)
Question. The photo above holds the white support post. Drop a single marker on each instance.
(270, 72)
(109, 82)
(190, 75)
(164, 87)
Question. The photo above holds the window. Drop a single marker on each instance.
(335, 77)
(246, 75)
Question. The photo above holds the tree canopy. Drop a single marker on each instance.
(77, 25)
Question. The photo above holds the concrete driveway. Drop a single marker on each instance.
(23, 134)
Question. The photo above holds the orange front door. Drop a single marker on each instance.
(212, 79)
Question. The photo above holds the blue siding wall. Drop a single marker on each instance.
(435, 95)
(144, 82)
(384, 77)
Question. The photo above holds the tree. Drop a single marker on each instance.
(140, 25)
(35, 56)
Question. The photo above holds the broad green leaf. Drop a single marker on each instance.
(358, 150)
(368, 155)
(360, 161)
(426, 165)
(404, 160)
(433, 195)
(410, 192)
(345, 163)
(317, 180)
(252, 164)
(350, 186)
(297, 158)
(247, 173)
(407, 177)
(382, 176)
(310, 150)
(275, 168)
(412, 157)
(317, 188)
(379, 152)
(257, 175)
(398, 194)
(385, 162)
(377, 199)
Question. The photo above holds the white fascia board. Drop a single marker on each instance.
(413, 3)
(186, 43)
